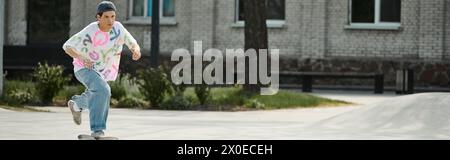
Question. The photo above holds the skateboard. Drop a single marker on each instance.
(89, 137)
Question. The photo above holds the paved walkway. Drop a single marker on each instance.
(156, 124)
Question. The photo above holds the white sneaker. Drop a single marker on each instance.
(76, 114)
(98, 134)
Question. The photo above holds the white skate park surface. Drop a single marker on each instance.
(388, 116)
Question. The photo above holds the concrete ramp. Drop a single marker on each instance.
(418, 116)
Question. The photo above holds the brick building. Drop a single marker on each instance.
(312, 35)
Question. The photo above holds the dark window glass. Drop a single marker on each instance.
(168, 8)
(390, 11)
(275, 10)
(363, 11)
(241, 10)
(138, 8)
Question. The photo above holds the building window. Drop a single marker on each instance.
(143, 8)
(375, 12)
(276, 12)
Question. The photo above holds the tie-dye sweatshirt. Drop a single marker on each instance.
(102, 48)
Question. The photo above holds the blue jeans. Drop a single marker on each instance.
(96, 98)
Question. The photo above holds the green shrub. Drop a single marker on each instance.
(154, 85)
(130, 102)
(11, 85)
(178, 102)
(49, 81)
(114, 102)
(254, 103)
(123, 86)
(177, 89)
(118, 91)
(19, 93)
(203, 93)
(20, 97)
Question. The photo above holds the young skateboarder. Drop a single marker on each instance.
(96, 54)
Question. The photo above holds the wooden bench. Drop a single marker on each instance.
(308, 77)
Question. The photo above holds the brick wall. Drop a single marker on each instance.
(16, 22)
(313, 28)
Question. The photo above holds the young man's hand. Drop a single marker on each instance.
(136, 50)
(72, 52)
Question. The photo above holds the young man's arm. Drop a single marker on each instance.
(131, 44)
(70, 47)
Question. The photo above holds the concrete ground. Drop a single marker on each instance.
(131, 124)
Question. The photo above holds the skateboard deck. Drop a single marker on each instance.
(89, 137)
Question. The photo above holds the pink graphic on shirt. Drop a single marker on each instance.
(98, 41)
(112, 73)
(77, 62)
(94, 55)
(115, 69)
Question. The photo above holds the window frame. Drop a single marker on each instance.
(377, 23)
(271, 23)
(144, 19)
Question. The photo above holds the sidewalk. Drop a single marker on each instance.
(156, 124)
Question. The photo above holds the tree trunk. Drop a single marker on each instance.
(255, 35)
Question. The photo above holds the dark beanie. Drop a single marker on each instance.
(105, 6)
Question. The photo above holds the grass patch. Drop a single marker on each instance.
(23, 109)
(288, 99)
(232, 98)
